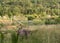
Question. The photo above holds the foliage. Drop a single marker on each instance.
(30, 7)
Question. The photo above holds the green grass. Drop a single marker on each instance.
(43, 35)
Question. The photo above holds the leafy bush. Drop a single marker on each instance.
(30, 17)
(50, 21)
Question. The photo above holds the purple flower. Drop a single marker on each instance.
(23, 32)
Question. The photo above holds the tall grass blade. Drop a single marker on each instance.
(14, 37)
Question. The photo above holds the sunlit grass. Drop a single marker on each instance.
(42, 35)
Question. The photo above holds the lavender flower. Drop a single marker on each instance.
(23, 32)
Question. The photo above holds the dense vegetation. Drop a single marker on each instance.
(34, 11)
(41, 11)
(42, 35)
